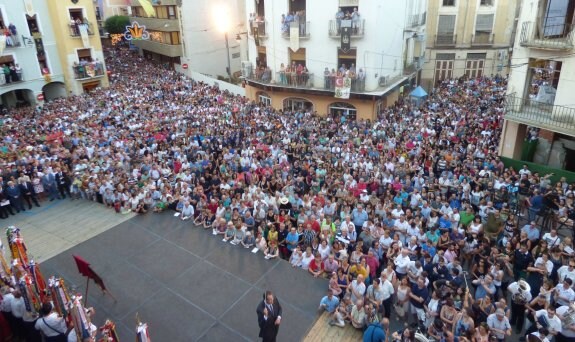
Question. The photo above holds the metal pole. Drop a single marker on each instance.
(228, 55)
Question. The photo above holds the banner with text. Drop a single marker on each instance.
(345, 35)
(342, 87)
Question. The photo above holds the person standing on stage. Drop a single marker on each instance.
(269, 317)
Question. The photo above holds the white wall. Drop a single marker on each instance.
(204, 44)
(25, 55)
(379, 52)
(196, 76)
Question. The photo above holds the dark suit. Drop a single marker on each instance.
(50, 187)
(6, 209)
(268, 328)
(63, 183)
(15, 197)
(28, 193)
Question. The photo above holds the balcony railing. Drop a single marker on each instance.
(482, 38)
(303, 29)
(552, 37)
(261, 26)
(10, 77)
(75, 29)
(416, 20)
(357, 84)
(12, 40)
(88, 70)
(294, 80)
(540, 114)
(445, 39)
(357, 28)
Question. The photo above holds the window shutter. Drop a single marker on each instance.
(484, 22)
(446, 24)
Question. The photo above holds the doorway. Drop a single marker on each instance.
(297, 104)
(342, 111)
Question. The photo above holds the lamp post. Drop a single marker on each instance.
(229, 68)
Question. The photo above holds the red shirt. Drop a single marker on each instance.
(315, 267)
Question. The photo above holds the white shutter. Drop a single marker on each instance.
(484, 23)
(446, 24)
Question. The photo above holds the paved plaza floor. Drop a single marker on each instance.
(185, 282)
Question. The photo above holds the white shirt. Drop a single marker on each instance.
(554, 323)
(552, 241)
(50, 323)
(359, 288)
(513, 288)
(6, 304)
(563, 272)
(494, 322)
(386, 288)
(564, 295)
(401, 262)
(565, 331)
(548, 264)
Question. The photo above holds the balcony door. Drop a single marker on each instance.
(296, 5)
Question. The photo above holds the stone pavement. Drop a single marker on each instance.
(185, 282)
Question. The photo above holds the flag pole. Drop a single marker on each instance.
(86, 296)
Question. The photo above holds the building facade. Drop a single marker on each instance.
(210, 33)
(468, 37)
(165, 43)
(79, 45)
(379, 45)
(31, 69)
(540, 111)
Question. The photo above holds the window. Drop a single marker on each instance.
(76, 14)
(264, 99)
(84, 55)
(446, 24)
(474, 64)
(346, 59)
(172, 38)
(297, 57)
(3, 24)
(444, 66)
(486, 3)
(342, 111)
(484, 23)
(172, 12)
(448, 2)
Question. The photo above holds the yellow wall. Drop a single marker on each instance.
(512, 139)
(67, 45)
(365, 108)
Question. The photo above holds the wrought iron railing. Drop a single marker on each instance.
(539, 114)
(76, 31)
(88, 70)
(416, 20)
(357, 83)
(261, 26)
(10, 76)
(357, 28)
(482, 38)
(445, 39)
(294, 80)
(556, 37)
(303, 29)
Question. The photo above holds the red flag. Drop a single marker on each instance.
(85, 270)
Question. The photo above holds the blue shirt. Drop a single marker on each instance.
(330, 305)
(532, 233)
(374, 333)
(358, 218)
(480, 292)
(292, 238)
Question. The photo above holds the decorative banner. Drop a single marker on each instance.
(294, 37)
(84, 34)
(29, 7)
(108, 331)
(2, 44)
(90, 70)
(345, 39)
(136, 32)
(342, 87)
(148, 8)
(256, 32)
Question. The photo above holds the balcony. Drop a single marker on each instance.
(482, 38)
(539, 114)
(357, 84)
(294, 80)
(416, 20)
(303, 29)
(13, 77)
(357, 28)
(75, 29)
(88, 70)
(445, 39)
(548, 37)
(261, 26)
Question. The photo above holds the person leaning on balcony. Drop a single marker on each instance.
(283, 79)
(338, 18)
(355, 17)
(13, 74)
(6, 71)
(302, 23)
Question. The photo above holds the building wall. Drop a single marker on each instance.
(25, 55)
(68, 45)
(380, 52)
(204, 48)
(466, 12)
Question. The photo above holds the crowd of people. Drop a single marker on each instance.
(411, 217)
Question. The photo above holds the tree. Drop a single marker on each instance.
(117, 24)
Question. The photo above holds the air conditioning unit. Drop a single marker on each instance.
(383, 81)
(246, 68)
